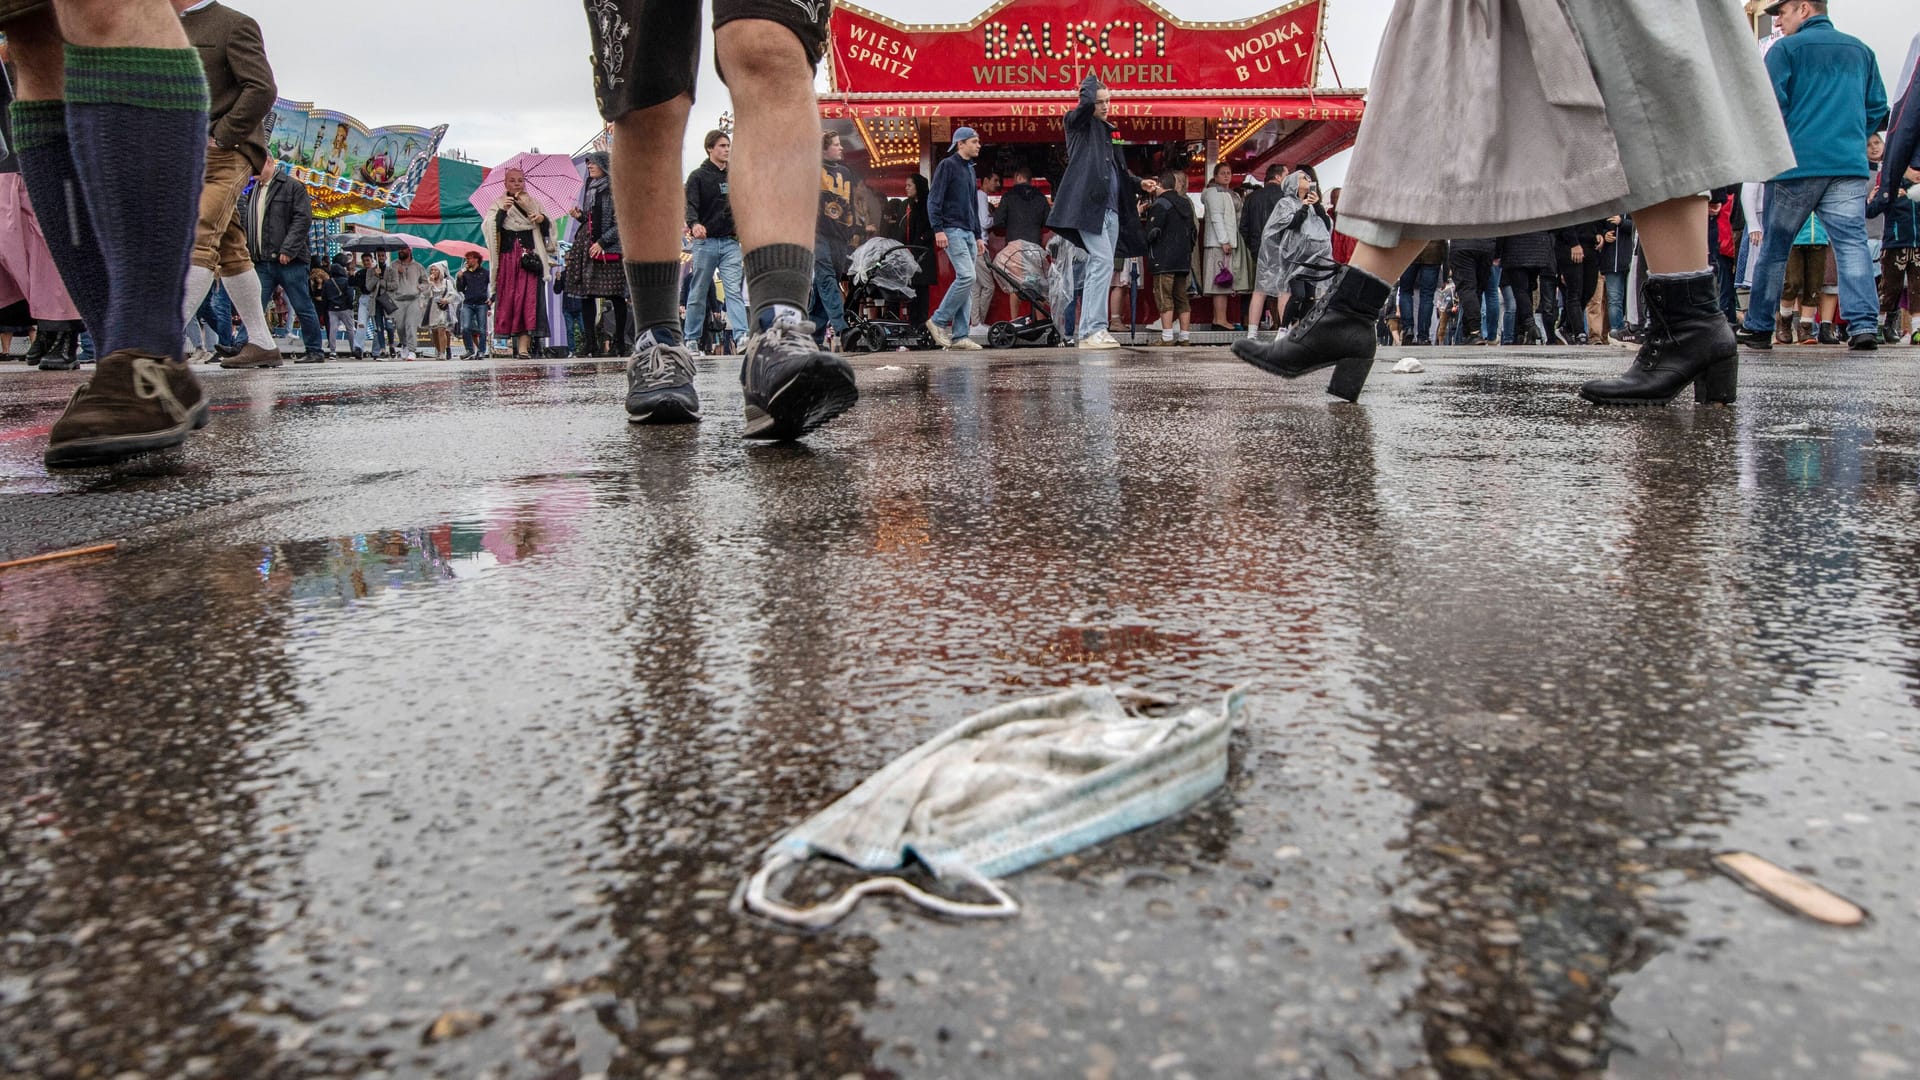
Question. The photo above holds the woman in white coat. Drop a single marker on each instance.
(1222, 208)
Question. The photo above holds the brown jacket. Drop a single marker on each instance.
(239, 79)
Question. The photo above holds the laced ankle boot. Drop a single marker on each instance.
(1688, 341)
(1337, 332)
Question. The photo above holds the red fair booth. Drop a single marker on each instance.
(1187, 93)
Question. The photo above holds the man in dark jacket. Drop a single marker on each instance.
(1616, 269)
(1022, 213)
(1526, 261)
(474, 284)
(715, 244)
(276, 217)
(1831, 95)
(241, 88)
(953, 209)
(1170, 233)
(341, 306)
(1088, 207)
(1253, 230)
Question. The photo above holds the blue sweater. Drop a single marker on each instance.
(951, 199)
(1830, 92)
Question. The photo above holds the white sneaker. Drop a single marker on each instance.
(941, 335)
(964, 344)
(1099, 339)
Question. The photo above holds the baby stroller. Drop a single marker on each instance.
(1021, 270)
(882, 273)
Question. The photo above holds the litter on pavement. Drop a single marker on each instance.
(1789, 890)
(1006, 789)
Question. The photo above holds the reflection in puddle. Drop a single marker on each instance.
(357, 567)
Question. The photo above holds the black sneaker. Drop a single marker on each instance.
(792, 386)
(660, 384)
(311, 358)
(1761, 340)
(1863, 342)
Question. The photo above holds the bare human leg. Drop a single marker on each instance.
(790, 385)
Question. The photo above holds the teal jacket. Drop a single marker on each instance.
(1831, 94)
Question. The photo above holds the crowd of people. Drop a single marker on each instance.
(1482, 253)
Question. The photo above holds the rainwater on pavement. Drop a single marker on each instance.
(429, 716)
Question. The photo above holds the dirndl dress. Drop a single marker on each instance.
(1523, 115)
(591, 277)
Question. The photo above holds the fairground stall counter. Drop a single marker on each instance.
(1186, 94)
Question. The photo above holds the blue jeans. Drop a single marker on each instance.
(722, 255)
(1509, 316)
(1093, 295)
(217, 310)
(1425, 280)
(828, 306)
(954, 307)
(1491, 306)
(293, 278)
(1842, 205)
(1616, 300)
(375, 323)
(473, 328)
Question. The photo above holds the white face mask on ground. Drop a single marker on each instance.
(1006, 789)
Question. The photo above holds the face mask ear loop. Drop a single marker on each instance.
(823, 915)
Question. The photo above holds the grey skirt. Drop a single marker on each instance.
(1522, 115)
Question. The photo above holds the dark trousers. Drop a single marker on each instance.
(1578, 283)
(1522, 279)
(1472, 271)
(1299, 300)
(592, 342)
(1725, 273)
(293, 278)
(1550, 299)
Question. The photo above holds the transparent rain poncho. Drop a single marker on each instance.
(1287, 253)
(1066, 264)
(1025, 264)
(885, 264)
(1006, 789)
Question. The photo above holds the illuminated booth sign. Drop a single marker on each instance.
(1013, 71)
(1023, 45)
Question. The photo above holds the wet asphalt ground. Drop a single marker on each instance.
(429, 716)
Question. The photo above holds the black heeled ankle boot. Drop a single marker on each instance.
(60, 352)
(42, 344)
(1688, 341)
(1337, 332)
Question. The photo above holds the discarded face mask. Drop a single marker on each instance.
(1006, 789)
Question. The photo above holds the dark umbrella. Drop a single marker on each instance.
(379, 242)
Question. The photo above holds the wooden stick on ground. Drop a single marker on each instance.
(51, 556)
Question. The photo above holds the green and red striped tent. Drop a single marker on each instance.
(440, 209)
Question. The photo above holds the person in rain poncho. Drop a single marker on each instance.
(1296, 248)
(1532, 115)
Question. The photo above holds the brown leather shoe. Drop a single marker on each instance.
(134, 404)
(253, 356)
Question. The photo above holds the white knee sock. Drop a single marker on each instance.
(199, 284)
(244, 291)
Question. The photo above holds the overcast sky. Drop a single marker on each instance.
(508, 80)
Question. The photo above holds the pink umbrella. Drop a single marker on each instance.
(460, 249)
(551, 180)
